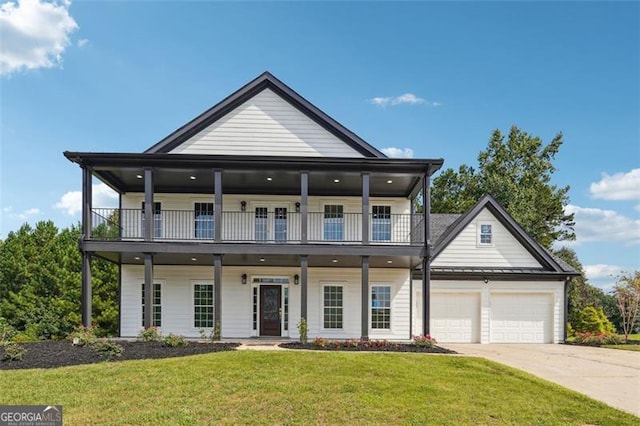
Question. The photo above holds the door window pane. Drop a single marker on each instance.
(381, 223)
(333, 222)
(261, 227)
(280, 224)
(204, 220)
(157, 219)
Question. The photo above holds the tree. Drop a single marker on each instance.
(517, 173)
(627, 292)
(40, 280)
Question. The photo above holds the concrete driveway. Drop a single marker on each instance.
(608, 375)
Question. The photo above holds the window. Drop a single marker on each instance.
(203, 220)
(485, 238)
(157, 219)
(286, 309)
(332, 306)
(333, 222)
(255, 308)
(381, 306)
(280, 224)
(156, 306)
(203, 305)
(262, 229)
(381, 223)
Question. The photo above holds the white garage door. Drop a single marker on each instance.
(521, 318)
(455, 317)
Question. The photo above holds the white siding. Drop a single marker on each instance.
(266, 125)
(553, 290)
(177, 299)
(505, 251)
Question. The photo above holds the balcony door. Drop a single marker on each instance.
(271, 222)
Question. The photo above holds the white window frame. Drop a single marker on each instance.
(271, 206)
(371, 223)
(371, 307)
(479, 242)
(162, 284)
(322, 306)
(193, 305)
(195, 201)
(345, 213)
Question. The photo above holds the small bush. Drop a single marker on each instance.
(319, 342)
(613, 339)
(592, 320)
(151, 334)
(303, 329)
(424, 341)
(13, 352)
(81, 335)
(108, 349)
(597, 339)
(217, 332)
(7, 332)
(175, 340)
(23, 338)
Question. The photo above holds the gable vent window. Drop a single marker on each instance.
(486, 234)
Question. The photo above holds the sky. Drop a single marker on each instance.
(415, 79)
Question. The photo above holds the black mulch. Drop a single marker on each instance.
(399, 347)
(60, 353)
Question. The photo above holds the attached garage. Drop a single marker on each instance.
(521, 318)
(455, 317)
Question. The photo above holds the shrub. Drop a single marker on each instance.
(570, 331)
(613, 339)
(81, 335)
(23, 338)
(592, 320)
(303, 329)
(217, 331)
(597, 339)
(108, 349)
(151, 334)
(425, 341)
(175, 340)
(13, 352)
(7, 332)
(319, 342)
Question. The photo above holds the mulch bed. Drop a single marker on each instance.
(400, 347)
(60, 353)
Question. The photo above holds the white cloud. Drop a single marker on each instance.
(594, 224)
(83, 42)
(407, 98)
(24, 215)
(620, 186)
(34, 34)
(602, 271)
(103, 196)
(394, 152)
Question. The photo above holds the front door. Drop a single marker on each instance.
(270, 310)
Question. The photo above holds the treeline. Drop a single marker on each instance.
(40, 283)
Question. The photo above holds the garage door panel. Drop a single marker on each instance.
(455, 317)
(521, 318)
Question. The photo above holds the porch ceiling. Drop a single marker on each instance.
(250, 174)
(315, 261)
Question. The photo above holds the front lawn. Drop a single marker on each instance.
(304, 388)
(633, 344)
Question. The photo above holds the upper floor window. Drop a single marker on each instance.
(203, 225)
(381, 223)
(485, 234)
(333, 222)
(157, 219)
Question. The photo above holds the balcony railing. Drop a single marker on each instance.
(251, 226)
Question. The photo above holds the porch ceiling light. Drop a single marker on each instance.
(137, 257)
(192, 177)
(262, 259)
(334, 260)
(336, 181)
(389, 261)
(139, 176)
(389, 181)
(269, 178)
(194, 259)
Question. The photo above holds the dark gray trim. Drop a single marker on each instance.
(365, 208)
(426, 297)
(249, 90)
(149, 206)
(252, 248)
(364, 307)
(86, 201)
(120, 295)
(217, 211)
(304, 206)
(217, 288)
(506, 276)
(304, 274)
(86, 289)
(566, 310)
(254, 162)
(516, 230)
(148, 290)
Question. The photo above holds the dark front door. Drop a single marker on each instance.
(270, 296)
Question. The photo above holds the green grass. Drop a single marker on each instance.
(627, 347)
(248, 387)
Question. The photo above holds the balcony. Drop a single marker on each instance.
(260, 226)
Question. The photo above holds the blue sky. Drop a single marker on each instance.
(429, 79)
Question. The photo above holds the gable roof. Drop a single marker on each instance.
(249, 90)
(454, 224)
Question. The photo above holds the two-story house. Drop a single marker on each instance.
(264, 210)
